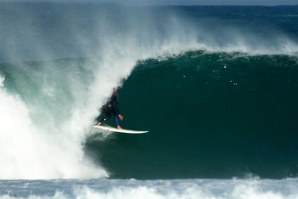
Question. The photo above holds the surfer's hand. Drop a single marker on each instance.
(120, 117)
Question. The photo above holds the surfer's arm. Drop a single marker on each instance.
(116, 109)
(115, 105)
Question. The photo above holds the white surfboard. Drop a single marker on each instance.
(112, 129)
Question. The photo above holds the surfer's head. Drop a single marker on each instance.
(115, 90)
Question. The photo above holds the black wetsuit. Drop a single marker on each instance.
(111, 108)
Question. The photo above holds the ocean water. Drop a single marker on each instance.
(215, 86)
(193, 189)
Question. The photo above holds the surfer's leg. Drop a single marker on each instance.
(117, 120)
(101, 121)
(107, 116)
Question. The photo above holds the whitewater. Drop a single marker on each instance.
(31, 133)
(114, 189)
(58, 66)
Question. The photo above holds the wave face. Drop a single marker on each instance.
(210, 116)
(214, 85)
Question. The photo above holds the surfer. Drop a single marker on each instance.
(111, 109)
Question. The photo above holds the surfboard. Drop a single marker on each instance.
(112, 129)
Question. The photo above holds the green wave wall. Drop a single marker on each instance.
(210, 115)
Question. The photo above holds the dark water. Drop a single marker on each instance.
(212, 115)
